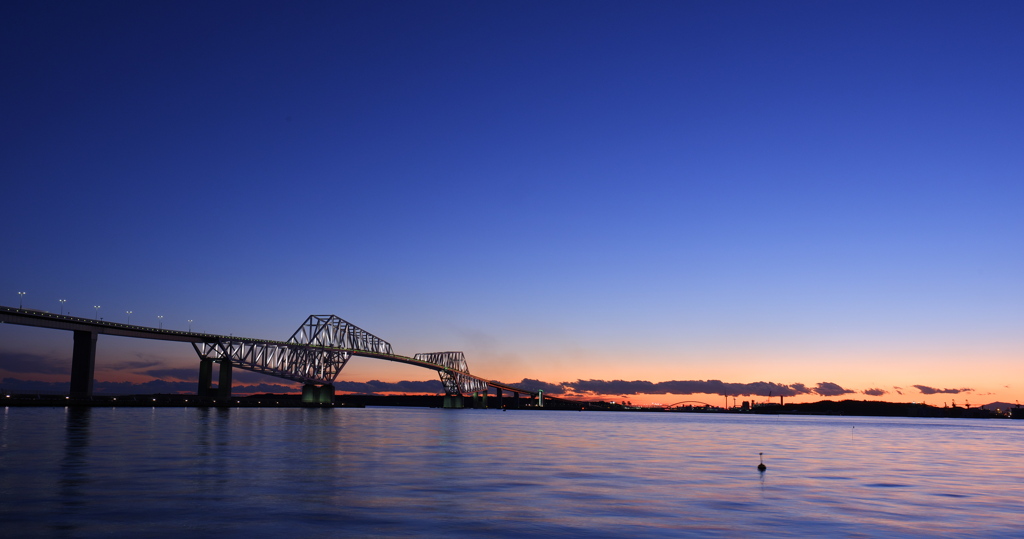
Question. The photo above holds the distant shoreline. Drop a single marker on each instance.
(824, 408)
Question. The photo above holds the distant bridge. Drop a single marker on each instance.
(314, 355)
(678, 404)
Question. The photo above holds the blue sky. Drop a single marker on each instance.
(793, 192)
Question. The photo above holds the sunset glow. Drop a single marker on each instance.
(609, 200)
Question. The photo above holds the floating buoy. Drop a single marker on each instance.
(761, 467)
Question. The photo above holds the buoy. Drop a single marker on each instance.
(761, 467)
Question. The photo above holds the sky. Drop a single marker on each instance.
(643, 201)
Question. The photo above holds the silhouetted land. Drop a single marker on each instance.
(826, 407)
(872, 408)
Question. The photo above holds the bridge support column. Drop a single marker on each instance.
(83, 363)
(309, 394)
(224, 383)
(205, 378)
(497, 394)
(454, 401)
(515, 397)
(326, 394)
(313, 394)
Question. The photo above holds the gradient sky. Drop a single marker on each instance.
(788, 192)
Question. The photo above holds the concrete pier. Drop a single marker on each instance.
(223, 390)
(224, 384)
(454, 401)
(205, 377)
(83, 363)
(313, 394)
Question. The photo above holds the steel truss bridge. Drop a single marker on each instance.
(314, 355)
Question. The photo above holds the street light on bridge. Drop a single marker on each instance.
(62, 306)
(160, 317)
(21, 296)
(129, 313)
(97, 307)
(190, 326)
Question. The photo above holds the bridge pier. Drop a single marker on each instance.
(313, 394)
(83, 363)
(205, 378)
(224, 383)
(515, 397)
(497, 395)
(223, 390)
(454, 401)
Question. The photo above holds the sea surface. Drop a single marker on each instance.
(417, 472)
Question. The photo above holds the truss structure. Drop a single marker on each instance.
(314, 354)
(454, 373)
(330, 331)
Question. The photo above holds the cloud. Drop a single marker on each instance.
(34, 386)
(192, 375)
(409, 386)
(684, 387)
(607, 387)
(34, 364)
(766, 389)
(828, 389)
(535, 385)
(265, 388)
(376, 386)
(132, 365)
(184, 375)
(933, 390)
(874, 392)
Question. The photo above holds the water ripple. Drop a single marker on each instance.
(432, 473)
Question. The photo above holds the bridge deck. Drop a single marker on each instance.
(44, 319)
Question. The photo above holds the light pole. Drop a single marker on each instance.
(62, 306)
(160, 317)
(97, 307)
(190, 326)
(129, 313)
(21, 296)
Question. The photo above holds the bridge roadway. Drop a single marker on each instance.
(87, 329)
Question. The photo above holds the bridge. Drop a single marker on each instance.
(314, 355)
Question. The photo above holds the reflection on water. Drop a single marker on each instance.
(73, 476)
(428, 472)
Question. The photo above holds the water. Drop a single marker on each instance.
(403, 472)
